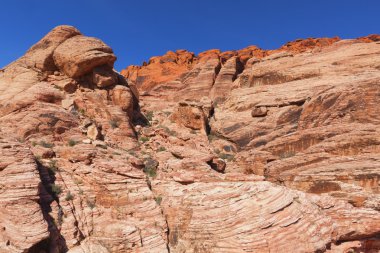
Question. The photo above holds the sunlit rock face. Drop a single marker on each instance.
(239, 151)
(64, 112)
(304, 116)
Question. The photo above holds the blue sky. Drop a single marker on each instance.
(139, 29)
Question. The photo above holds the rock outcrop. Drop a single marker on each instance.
(303, 116)
(66, 186)
(80, 54)
(239, 151)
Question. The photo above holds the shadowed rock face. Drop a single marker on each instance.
(239, 151)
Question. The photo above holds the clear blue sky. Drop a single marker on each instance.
(139, 29)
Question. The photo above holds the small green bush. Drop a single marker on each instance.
(144, 139)
(149, 116)
(102, 146)
(57, 87)
(38, 158)
(82, 112)
(212, 137)
(90, 204)
(56, 189)
(168, 131)
(72, 142)
(69, 196)
(52, 167)
(114, 123)
(160, 149)
(150, 167)
(46, 144)
(151, 172)
(132, 152)
(158, 200)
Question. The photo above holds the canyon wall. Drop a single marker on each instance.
(241, 151)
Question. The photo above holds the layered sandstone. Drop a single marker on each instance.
(239, 151)
(304, 116)
(60, 192)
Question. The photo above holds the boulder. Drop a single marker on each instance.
(93, 132)
(259, 111)
(79, 55)
(41, 54)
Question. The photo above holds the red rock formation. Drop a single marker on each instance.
(160, 69)
(69, 195)
(291, 115)
(238, 151)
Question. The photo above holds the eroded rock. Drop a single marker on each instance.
(79, 55)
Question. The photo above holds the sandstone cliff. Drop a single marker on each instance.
(239, 151)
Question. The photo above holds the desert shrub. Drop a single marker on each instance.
(90, 204)
(149, 116)
(114, 123)
(168, 131)
(151, 172)
(72, 143)
(132, 152)
(103, 146)
(160, 149)
(46, 144)
(158, 200)
(212, 137)
(69, 196)
(56, 189)
(57, 87)
(52, 167)
(144, 139)
(150, 167)
(38, 158)
(82, 112)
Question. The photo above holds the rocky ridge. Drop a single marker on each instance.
(240, 151)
